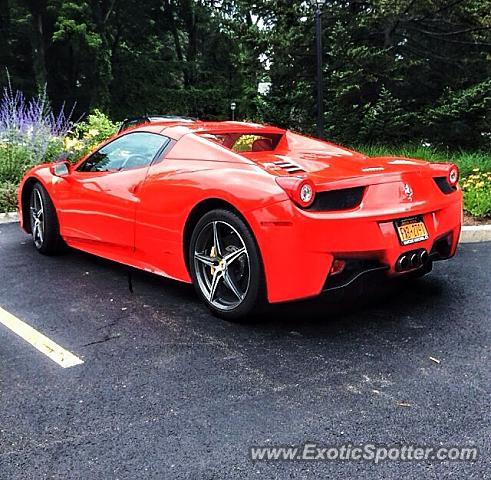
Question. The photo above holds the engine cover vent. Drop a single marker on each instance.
(288, 166)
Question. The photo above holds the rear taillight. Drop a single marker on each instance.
(446, 176)
(300, 190)
(453, 175)
(448, 170)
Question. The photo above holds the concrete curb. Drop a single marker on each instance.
(469, 234)
(475, 233)
(8, 217)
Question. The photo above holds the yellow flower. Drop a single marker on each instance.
(93, 132)
(69, 142)
(73, 144)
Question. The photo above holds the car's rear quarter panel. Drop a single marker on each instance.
(175, 187)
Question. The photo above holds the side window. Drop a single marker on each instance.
(133, 150)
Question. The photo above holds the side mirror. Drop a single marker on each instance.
(60, 169)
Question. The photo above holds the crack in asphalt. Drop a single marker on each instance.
(104, 340)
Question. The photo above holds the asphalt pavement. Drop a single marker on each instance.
(167, 391)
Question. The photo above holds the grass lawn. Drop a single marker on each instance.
(466, 161)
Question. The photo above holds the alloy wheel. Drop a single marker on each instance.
(222, 265)
(37, 218)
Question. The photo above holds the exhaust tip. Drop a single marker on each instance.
(423, 257)
(403, 263)
(415, 260)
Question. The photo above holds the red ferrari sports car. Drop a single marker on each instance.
(248, 213)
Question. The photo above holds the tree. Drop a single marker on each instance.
(38, 13)
(395, 71)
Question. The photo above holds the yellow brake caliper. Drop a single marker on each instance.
(213, 254)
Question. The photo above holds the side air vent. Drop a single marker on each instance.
(343, 199)
(443, 185)
(290, 167)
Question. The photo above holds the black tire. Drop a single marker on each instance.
(44, 222)
(235, 296)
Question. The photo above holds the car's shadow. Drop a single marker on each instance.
(372, 301)
(385, 305)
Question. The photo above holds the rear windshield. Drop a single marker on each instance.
(246, 142)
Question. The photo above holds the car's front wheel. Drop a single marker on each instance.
(225, 265)
(44, 222)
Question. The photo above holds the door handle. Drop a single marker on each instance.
(134, 189)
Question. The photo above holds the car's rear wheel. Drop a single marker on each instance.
(225, 265)
(44, 222)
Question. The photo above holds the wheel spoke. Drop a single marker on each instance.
(37, 215)
(214, 284)
(232, 286)
(40, 232)
(38, 202)
(231, 257)
(209, 261)
(35, 231)
(216, 240)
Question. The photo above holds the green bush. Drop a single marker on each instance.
(18, 156)
(88, 133)
(54, 149)
(15, 159)
(477, 193)
(96, 127)
(8, 200)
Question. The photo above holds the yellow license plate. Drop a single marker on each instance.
(411, 230)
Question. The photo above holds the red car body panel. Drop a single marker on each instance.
(138, 217)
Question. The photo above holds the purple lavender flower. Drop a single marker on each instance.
(27, 127)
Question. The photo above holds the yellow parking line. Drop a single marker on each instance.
(51, 349)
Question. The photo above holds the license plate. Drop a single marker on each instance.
(411, 230)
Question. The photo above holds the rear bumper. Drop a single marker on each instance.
(358, 267)
(298, 248)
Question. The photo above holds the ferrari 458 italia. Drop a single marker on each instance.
(248, 213)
